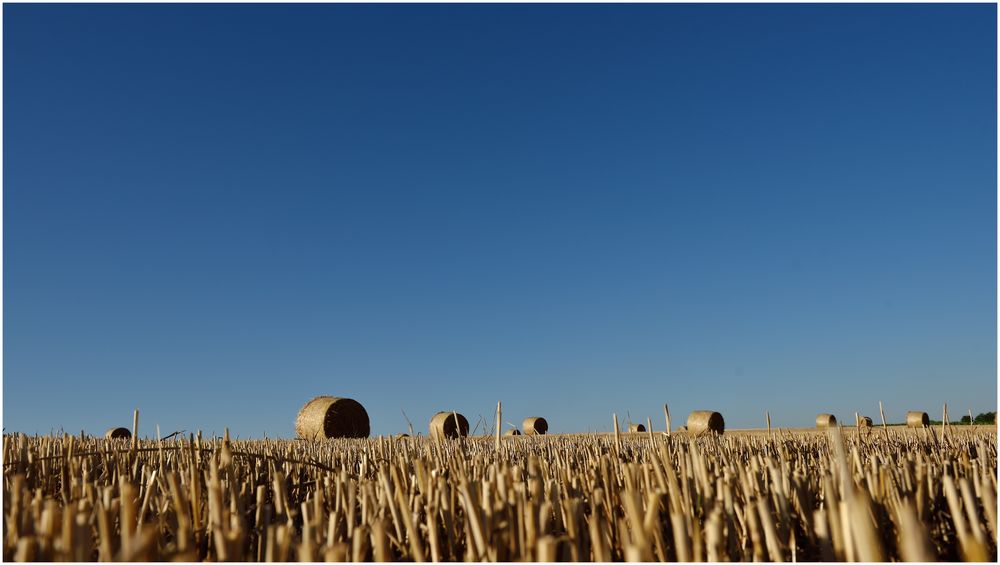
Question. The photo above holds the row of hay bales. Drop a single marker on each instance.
(334, 417)
(327, 417)
(914, 419)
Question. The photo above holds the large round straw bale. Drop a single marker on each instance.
(535, 426)
(635, 428)
(865, 422)
(118, 433)
(917, 419)
(701, 421)
(444, 425)
(512, 432)
(824, 421)
(329, 417)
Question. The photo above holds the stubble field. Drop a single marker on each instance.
(844, 494)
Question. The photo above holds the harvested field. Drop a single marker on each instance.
(872, 495)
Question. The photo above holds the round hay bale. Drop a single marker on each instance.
(636, 428)
(330, 417)
(701, 421)
(444, 425)
(535, 426)
(118, 433)
(824, 421)
(917, 419)
(512, 432)
(866, 422)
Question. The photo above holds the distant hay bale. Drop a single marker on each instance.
(535, 426)
(917, 419)
(636, 428)
(118, 433)
(330, 417)
(824, 421)
(512, 432)
(444, 425)
(866, 422)
(682, 429)
(701, 421)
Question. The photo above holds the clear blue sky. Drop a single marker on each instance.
(215, 213)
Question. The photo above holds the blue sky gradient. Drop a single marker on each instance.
(214, 213)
